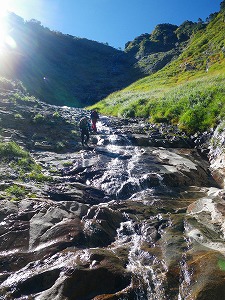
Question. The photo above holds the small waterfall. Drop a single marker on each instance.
(137, 178)
(148, 272)
(136, 175)
(185, 275)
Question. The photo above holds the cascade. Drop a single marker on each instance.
(125, 219)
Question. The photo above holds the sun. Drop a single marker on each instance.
(3, 34)
(3, 8)
(5, 39)
(3, 15)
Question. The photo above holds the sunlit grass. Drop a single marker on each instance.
(189, 92)
(21, 162)
(196, 104)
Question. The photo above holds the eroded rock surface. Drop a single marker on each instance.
(136, 215)
(217, 154)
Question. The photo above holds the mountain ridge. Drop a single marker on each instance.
(187, 92)
(62, 69)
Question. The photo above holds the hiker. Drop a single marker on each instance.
(94, 119)
(84, 129)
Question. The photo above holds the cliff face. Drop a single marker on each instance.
(166, 42)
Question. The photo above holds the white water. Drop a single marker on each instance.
(148, 272)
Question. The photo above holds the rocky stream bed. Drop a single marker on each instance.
(137, 215)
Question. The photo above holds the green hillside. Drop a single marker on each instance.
(62, 69)
(190, 91)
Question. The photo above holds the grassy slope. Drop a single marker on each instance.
(183, 92)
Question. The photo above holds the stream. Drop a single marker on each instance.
(130, 217)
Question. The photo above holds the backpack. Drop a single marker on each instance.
(94, 114)
(83, 123)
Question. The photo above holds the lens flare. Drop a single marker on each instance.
(5, 39)
(3, 8)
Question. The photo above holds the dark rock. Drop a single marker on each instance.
(136, 215)
(101, 225)
(86, 284)
(36, 284)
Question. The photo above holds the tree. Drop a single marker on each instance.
(185, 30)
(222, 5)
(34, 21)
(211, 17)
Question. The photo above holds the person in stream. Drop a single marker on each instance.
(94, 119)
(84, 130)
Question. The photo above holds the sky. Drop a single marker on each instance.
(110, 21)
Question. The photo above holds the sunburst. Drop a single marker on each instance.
(6, 40)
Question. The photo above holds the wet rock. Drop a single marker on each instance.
(88, 284)
(127, 190)
(36, 284)
(135, 216)
(76, 208)
(158, 140)
(184, 168)
(37, 229)
(78, 192)
(217, 155)
(80, 274)
(101, 224)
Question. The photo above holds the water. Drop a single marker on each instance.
(165, 222)
(149, 273)
(133, 173)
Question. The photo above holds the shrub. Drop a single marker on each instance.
(38, 118)
(21, 161)
(16, 192)
(18, 116)
(11, 150)
(56, 114)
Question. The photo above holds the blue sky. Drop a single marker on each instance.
(110, 21)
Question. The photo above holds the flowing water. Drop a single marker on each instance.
(135, 174)
(158, 217)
